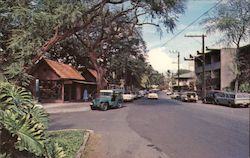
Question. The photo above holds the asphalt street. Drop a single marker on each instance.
(163, 128)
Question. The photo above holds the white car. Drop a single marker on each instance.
(152, 96)
(128, 97)
(169, 93)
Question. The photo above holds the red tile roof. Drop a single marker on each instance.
(93, 72)
(64, 71)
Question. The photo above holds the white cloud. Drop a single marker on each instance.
(162, 61)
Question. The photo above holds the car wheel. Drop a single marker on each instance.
(93, 108)
(119, 105)
(232, 105)
(104, 106)
(214, 102)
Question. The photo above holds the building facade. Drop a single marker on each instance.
(58, 82)
(220, 67)
(187, 81)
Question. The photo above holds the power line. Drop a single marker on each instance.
(193, 22)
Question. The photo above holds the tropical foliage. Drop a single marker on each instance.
(95, 29)
(23, 125)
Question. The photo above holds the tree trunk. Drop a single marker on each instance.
(236, 83)
(100, 81)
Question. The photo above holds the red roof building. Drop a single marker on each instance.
(58, 82)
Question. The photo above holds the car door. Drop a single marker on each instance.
(220, 97)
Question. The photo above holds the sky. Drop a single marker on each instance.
(162, 50)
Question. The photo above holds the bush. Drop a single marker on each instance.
(23, 126)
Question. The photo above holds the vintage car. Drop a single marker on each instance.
(111, 98)
(174, 95)
(152, 95)
(233, 99)
(210, 97)
(128, 96)
(189, 97)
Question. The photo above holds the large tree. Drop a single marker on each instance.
(34, 27)
(232, 19)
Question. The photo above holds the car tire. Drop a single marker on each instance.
(93, 108)
(232, 105)
(119, 105)
(104, 106)
(214, 102)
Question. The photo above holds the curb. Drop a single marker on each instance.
(86, 137)
(54, 111)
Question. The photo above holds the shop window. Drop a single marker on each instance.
(50, 89)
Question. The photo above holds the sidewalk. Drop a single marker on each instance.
(66, 107)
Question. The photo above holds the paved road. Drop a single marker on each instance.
(164, 128)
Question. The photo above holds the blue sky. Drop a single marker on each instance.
(159, 49)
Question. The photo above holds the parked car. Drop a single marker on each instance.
(169, 93)
(233, 99)
(140, 94)
(210, 97)
(189, 97)
(128, 96)
(107, 99)
(242, 99)
(179, 94)
(152, 95)
(174, 95)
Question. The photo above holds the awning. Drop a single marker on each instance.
(85, 82)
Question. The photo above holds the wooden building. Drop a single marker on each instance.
(58, 82)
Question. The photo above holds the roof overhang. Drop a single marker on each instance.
(84, 82)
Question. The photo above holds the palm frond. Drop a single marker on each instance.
(30, 135)
(13, 96)
(39, 115)
(54, 150)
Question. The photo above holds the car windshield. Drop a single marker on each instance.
(105, 94)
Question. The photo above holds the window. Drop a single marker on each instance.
(50, 89)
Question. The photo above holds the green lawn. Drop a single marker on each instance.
(70, 140)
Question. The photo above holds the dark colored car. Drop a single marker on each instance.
(210, 97)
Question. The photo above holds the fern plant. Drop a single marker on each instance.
(23, 126)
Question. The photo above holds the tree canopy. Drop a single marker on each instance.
(232, 19)
(94, 30)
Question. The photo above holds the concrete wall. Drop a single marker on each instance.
(227, 67)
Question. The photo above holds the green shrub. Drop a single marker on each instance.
(23, 125)
(69, 140)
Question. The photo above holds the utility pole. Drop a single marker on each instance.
(178, 70)
(203, 63)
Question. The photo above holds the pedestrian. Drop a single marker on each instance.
(85, 95)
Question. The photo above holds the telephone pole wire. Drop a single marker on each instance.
(203, 63)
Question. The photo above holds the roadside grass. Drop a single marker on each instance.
(70, 140)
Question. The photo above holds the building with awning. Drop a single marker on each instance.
(58, 82)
